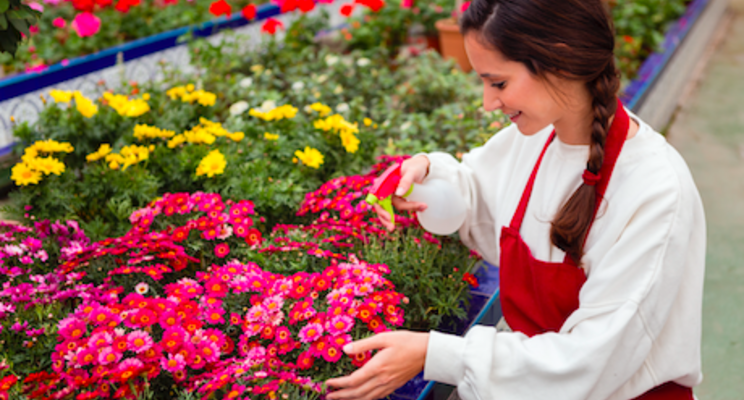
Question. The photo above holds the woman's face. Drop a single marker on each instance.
(510, 87)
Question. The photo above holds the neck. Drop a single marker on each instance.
(575, 128)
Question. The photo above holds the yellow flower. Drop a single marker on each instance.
(142, 132)
(22, 175)
(47, 165)
(50, 146)
(126, 107)
(237, 136)
(270, 136)
(213, 164)
(275, 114)
(178, 139)
(188, 95)
(100, 153)
(367, 122)
(321, 108)
(257, 69)
(344, 128)
(310, 157)
(60, 96)
(84, 105)
(128, 156)
(349, 141)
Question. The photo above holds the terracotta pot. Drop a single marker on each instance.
(452, 43)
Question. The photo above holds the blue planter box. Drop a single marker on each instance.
(484, 310)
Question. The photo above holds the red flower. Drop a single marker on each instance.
(220, 7)
(124, 5)
(374, 5)
(83, 5)
(471, 279)
(288, 6)
(249, 11)
(270, 26)
(347, 9)
(360, 359)
(180, 234)
(253, 237)
(306, 5)
(8, 382)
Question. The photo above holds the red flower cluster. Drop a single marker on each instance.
(220, 7)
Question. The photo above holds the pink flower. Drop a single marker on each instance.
(283, 335)
(208, 350)
(72, 328)
(139, 341)
(142, 288)
(36, 6)
(310, 333)
(86, 24)
(173, 363)
(331, 353)
(340, 324)
(221, 250)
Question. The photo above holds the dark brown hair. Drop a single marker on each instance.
(572, 39)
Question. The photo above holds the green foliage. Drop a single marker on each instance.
(15, 19)
(640, 27)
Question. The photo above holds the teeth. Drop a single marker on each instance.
(514, 114)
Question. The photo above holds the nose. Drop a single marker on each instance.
(491, 102)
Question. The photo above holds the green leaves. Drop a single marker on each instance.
(15, 18)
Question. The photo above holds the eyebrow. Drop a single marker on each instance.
(493, 76)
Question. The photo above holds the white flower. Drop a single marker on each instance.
(338, 90)
(406, 125)
(141, 288)
(246, 82)
(331, 60)
(322, 78)
(297, 86)
(363, 62)
(267, 106)
(343, 107)
(239, 107)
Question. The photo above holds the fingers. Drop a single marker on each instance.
(385, 219)
(412, 170)
(405, 205)
(376, 342)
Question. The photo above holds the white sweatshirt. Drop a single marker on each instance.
(639, 320)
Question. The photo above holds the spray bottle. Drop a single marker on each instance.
(445, 210)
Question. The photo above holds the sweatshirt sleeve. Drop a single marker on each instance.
(473, 177)
(624, 304)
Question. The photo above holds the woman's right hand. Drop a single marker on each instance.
(413, 170)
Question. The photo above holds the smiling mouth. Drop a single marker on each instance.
(514, 115)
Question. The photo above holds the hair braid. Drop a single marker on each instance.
(570, 226)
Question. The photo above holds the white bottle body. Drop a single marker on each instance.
(445, 210)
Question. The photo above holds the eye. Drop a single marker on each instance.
(499, 85)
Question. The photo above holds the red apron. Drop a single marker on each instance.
(538, 296)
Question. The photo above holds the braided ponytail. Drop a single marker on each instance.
(573, 41)
(569, 227)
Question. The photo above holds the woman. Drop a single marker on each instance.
(593, 218)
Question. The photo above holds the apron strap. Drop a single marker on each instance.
(516, 221)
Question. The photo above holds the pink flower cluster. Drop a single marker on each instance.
(111, 346)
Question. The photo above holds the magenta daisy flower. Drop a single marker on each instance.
(173, 363)
(305, 360)
(139, 341)
(282, 335)
(310, 333)
(169, 319)
(72, 328)
(221, 250)
(256, 313)
(108, 356)
(331, 353)
(340, 324)
(208, 350)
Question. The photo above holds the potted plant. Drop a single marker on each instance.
(450, 39)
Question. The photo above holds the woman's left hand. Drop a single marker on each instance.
(401, 357)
